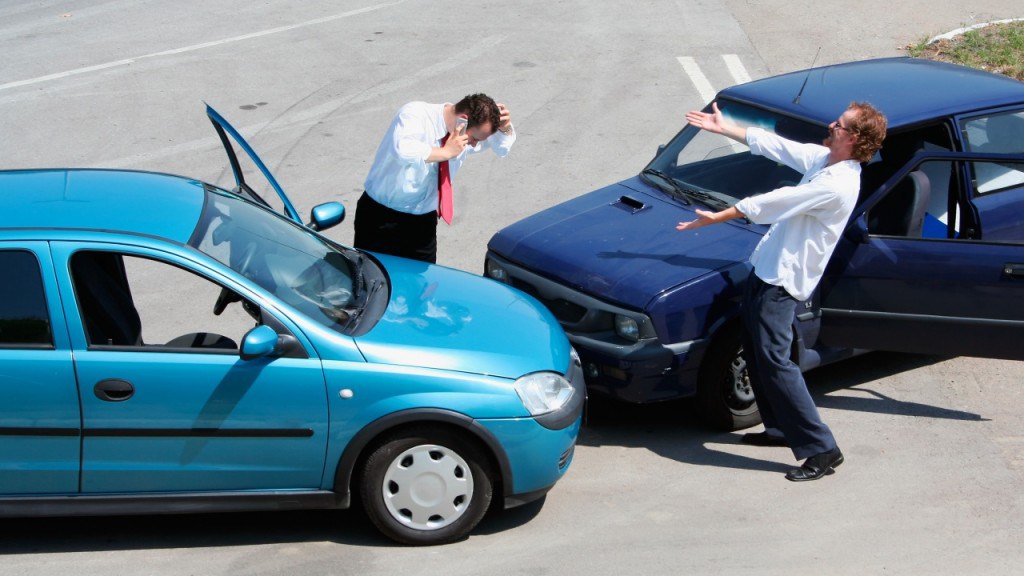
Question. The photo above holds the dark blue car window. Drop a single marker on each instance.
(996, 134)
(23, 316)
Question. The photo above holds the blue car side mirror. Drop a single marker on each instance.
(326, 215)
(259, 342)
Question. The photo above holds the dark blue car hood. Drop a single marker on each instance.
(606, 245)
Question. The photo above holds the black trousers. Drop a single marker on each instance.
(381, 229)
(786, 406)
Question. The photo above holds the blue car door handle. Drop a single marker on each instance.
(1013, 270)
(113, 390)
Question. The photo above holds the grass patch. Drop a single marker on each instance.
(997, 48)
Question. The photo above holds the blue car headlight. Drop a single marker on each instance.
(544, 392)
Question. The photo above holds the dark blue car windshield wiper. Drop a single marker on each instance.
(706, 199)
(686, 194)
(674, 187)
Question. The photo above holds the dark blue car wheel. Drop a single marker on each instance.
(723, 390)
(426, 486)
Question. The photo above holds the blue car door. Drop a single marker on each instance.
(929, 279)
(168, 404)
(39, 414)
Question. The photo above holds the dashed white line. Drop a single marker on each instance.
(736, 68)
(700, 81)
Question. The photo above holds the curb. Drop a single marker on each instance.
(959, 31)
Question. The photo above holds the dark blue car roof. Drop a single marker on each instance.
(906, 90)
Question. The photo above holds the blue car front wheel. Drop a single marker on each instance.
(426, 486)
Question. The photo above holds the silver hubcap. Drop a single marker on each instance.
(428, 487)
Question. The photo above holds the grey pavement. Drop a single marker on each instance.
(934, 475)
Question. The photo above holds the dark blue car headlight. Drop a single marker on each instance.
(627, 328)
(497, 272)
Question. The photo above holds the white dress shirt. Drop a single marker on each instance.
(401, 178)
(807, 219)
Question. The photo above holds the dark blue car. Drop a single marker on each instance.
(932, 260)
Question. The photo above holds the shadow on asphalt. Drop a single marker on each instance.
(669, 429)
(113, 533)
(110, 533)
(673, 429)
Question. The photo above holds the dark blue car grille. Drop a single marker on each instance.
(563, 310)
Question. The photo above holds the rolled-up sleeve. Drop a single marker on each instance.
(500, 142)
(407, 138)
(786, 202)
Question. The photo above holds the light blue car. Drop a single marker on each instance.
(167, 346)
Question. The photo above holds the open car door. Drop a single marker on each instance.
(224, 130)
(916, 272)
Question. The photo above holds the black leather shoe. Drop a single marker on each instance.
(817, 466)
(762, 439)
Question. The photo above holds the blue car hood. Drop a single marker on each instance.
(620, 244)
(442, 318)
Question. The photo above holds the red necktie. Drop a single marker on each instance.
(444, 189)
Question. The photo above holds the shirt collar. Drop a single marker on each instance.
(441, 127)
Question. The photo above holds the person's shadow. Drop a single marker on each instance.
(673, 429)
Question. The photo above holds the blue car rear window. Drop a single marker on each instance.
(23, 316)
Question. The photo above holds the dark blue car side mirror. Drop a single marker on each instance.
(326, 215)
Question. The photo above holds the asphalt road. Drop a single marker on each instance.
(934, 475)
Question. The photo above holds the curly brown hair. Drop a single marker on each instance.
(481, 109)
(869, 126)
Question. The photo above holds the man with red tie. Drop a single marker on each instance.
(409, 185)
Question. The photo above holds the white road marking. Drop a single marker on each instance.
(739, 73)
(700, 81)
(194, 47)
(707, 91)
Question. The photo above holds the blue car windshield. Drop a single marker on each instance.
(722, 171)
(287, 260)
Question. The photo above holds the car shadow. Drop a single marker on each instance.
(155, 532)
(113, 533)
(673, 430)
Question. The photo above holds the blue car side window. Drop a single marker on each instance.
(146, 304)
(24, 319)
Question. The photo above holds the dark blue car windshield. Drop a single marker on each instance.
(725, 169)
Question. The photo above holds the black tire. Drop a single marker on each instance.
(725, 398)
(447, 474)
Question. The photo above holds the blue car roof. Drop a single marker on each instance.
(906, 90)
(110, 200)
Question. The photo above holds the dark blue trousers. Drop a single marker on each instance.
(786, 406)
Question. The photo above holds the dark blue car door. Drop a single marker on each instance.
(916, 270)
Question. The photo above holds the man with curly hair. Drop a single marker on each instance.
(806, 223)
(398, 212)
